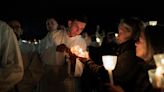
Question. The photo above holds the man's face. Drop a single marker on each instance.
(51, 24)
(16, 26)
(125, 33)
(75, 27)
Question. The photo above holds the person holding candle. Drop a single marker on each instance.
(66, 74)
(147, 44)
(45, 47)
(127, 66)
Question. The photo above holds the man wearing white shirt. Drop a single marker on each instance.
(71, 37)
(62, 80)
(51, 80)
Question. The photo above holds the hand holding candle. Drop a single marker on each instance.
(78, 51)
(62, 48)
(74, 52)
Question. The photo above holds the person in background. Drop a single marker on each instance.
(33, 68)
(47, 52)
(11, 64)
(86, 37)
(89, 80)
(109, 44)
(16, 26)
(45, 47)
(25, 46)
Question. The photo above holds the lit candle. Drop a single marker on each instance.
(159, 60)
(109, 63)
(158, 76)
(77, 50)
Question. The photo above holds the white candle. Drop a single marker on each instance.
(158, 76)
(109, 63)
(159, 60)
(111, 76)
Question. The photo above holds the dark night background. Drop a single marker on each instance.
(33, 14)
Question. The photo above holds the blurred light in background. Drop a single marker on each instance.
(152, 23)
(116, 34)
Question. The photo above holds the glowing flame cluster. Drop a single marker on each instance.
(77, 50)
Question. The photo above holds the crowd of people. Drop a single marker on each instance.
(51, 66)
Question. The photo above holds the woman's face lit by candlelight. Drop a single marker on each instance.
(141, 47)
(124, 33)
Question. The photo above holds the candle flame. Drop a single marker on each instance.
(159, 71)
(162, 61)
(77, 50)
(159, 59)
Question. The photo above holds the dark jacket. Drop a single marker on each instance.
(142, 83)
(128, 73)
(126, 68)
